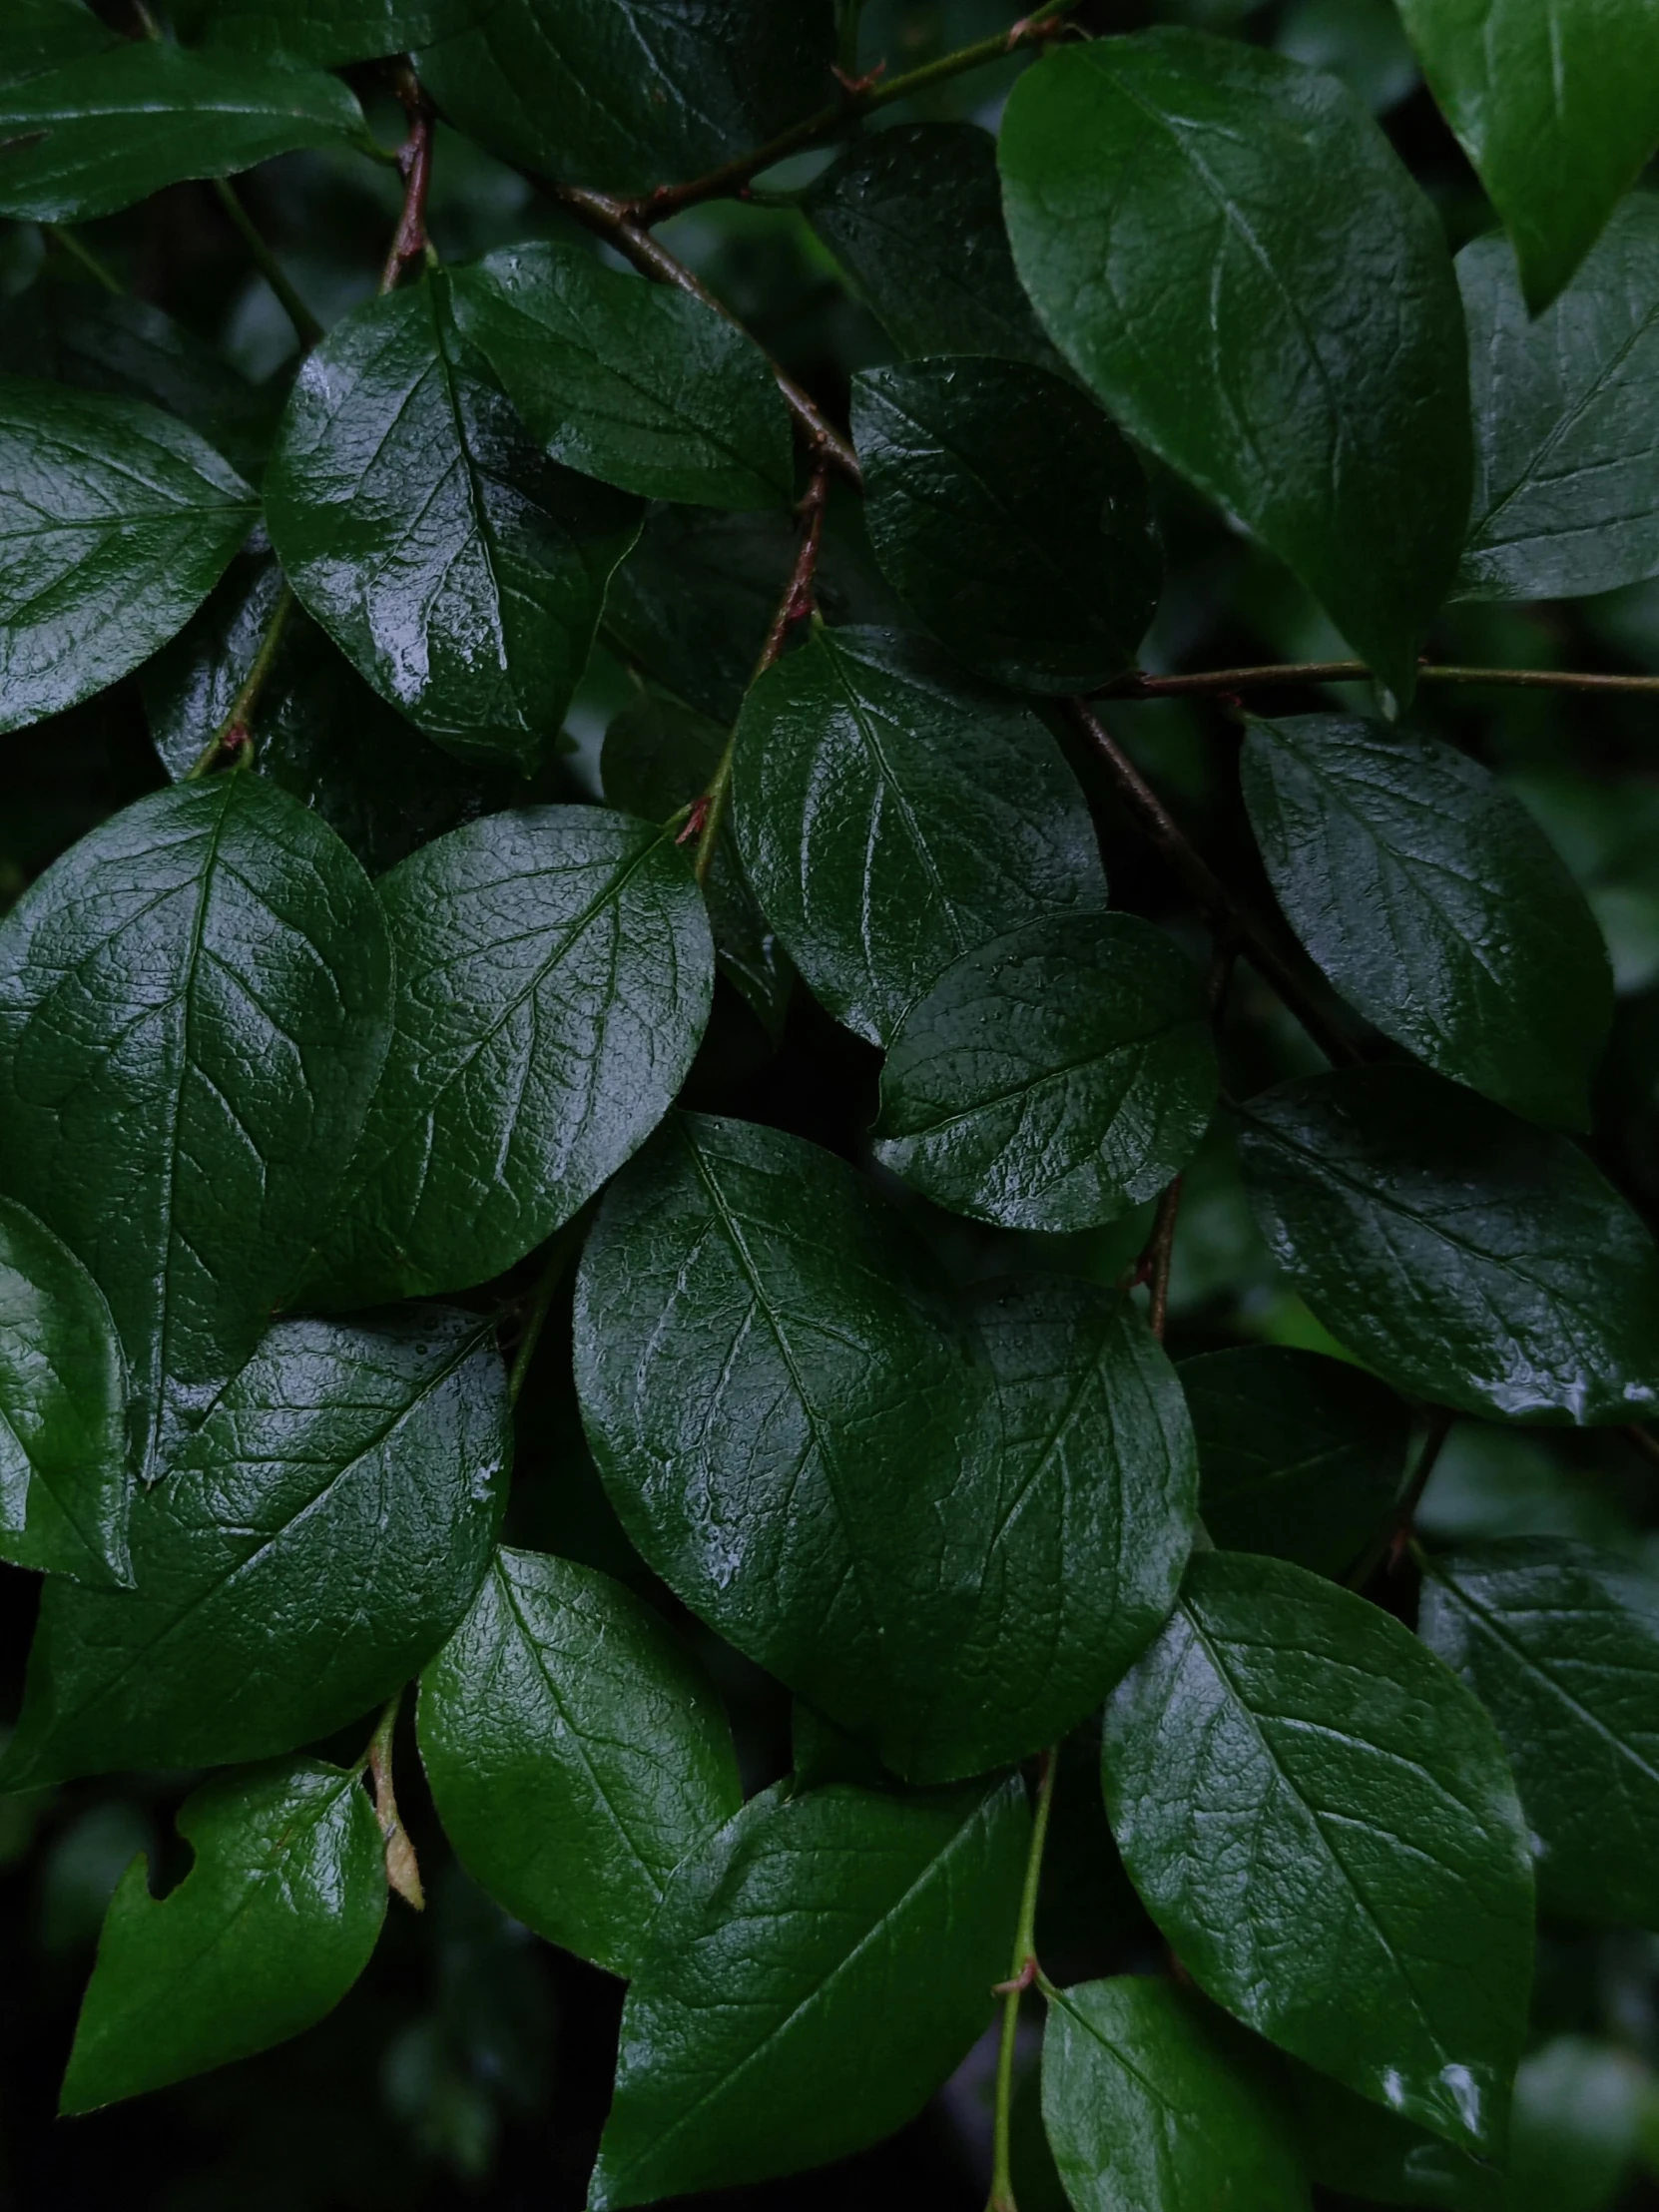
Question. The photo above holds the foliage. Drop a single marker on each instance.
(714, 838)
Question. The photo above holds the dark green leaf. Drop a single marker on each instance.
(274, 1922)
(553, 979)
(37, 35)
(754, 1318)
(1299, 1455)
(1557, 107)
(576, 1752)
(68, 333)
(1227, 250)
(914, 217)
(1054, 1078)
(1363, 2150)
(627, 100)
(1319, 1818)
(1437, 907)
(1010, 517)
(319, 1538)
(1145, 2112)
(103, 130)
(893, 815)
(323, 734)
(1567, 500)
(115, 524)
(327, 33)
(1561, 1645)
(459, 570)
(1466, 1257)
(638, 383)
(194, 1008)
(63, 1411)
(658, 757)
(809, 1986)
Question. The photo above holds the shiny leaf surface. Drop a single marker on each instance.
(1051, 1079)
(1466, 1257)
(576, 1752)
(893, 815)
(327, 33)
(809, 1986)
(37, 35)
(1319, 1818)
(1231, 254)
(272, 1924)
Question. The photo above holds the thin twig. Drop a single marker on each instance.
(560, 1246)
(414, 160)
(1395, 1536)
(235, 735)
(67, 243)
(1160, 1255)
(307, 327)
(1213, 899)
(402, 1867)
(1260, 678)
(1022, 1973)
(1643, 1440)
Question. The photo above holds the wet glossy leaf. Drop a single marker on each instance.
(1146, 2113)
(1557, 107)
(1319, 1818)
(1229, 252)
(327, 33)
(37, 35)
(1561, 1645)
(809, 1986)
(1566, 495)
(553, 979)
(625, 102)
(1012, 518)
(107, 129)
(634, 382)
(914, 217)
(658, 758)
(1053, 1078)
(1364, 2150)
(576, 1752)
(63, 1411)
(460, 571)
(793, 1422)
(1299, 1455)
(115, 523)
(323, 735)
(1437, 907)
(193, 1009)
(893, 815)
(1466, 1257)
(317, 1540)
(275, 1921)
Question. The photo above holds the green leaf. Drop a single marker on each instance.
(1012, 518)
(317, 1540)
(1565, 499)
(1053, 1078)
(97, 341)
(1319, 1818)
(554, 972)
(914, 217)
(658, 758)
(43, 34)
(1229, 252)
(194, 1008)
(323, 735)
(1299, 1455)
(115, 524)
(1437, 907)
(638, 383)
(328, 33)
(809, 1988)
(576, 1752)
(1363, 2150)
(1466, 1257)
(1557, 107)
(1146, 2113)
(893, 815)
(275, 1921)
(460, 571)
(627, 102)
(1561, 1645)
(63, 1411)
(754, 1318)
(107, 129)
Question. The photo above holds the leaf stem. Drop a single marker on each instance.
(858, 98)
(410, 246)
(402, 1867)
(1023, 1974)
(1396, 1534)
(67, 243)
(307, 327)
(560, 1246)
(235, 735)
(1160, 1255)
(1221, 681)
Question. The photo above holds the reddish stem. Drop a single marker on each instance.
(415, 159)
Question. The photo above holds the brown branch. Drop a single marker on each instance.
(1206, 683)
(415, 159)
(1159, 1257)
